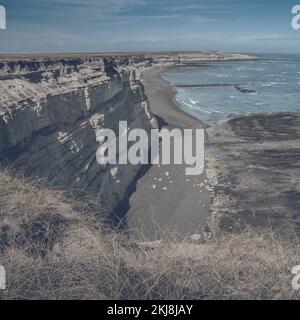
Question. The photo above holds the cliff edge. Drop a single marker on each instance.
(51, 110)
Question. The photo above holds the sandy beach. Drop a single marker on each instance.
(161, 96)
(166, 198)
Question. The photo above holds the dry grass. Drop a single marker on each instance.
(54, 248)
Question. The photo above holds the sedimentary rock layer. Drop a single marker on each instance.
(51, 110)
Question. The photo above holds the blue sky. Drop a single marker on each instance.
(36, 26)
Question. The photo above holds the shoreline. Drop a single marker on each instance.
(261, 139)
(153, 211)
(172, 113)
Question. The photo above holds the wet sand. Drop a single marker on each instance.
(166, 198)
(161, 97)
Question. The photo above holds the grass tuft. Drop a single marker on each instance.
(56, 248)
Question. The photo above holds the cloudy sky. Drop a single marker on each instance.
(36, 26)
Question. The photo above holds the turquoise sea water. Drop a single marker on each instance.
(269, 84)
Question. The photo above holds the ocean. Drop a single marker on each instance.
(226, 89)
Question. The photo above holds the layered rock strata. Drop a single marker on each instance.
(51, 110)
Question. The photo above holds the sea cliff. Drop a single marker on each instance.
(51, 110)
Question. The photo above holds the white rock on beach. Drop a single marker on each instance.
(196, 237)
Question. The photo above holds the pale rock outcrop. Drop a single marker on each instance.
(51, 110)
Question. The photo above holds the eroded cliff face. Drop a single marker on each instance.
(51, 110)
